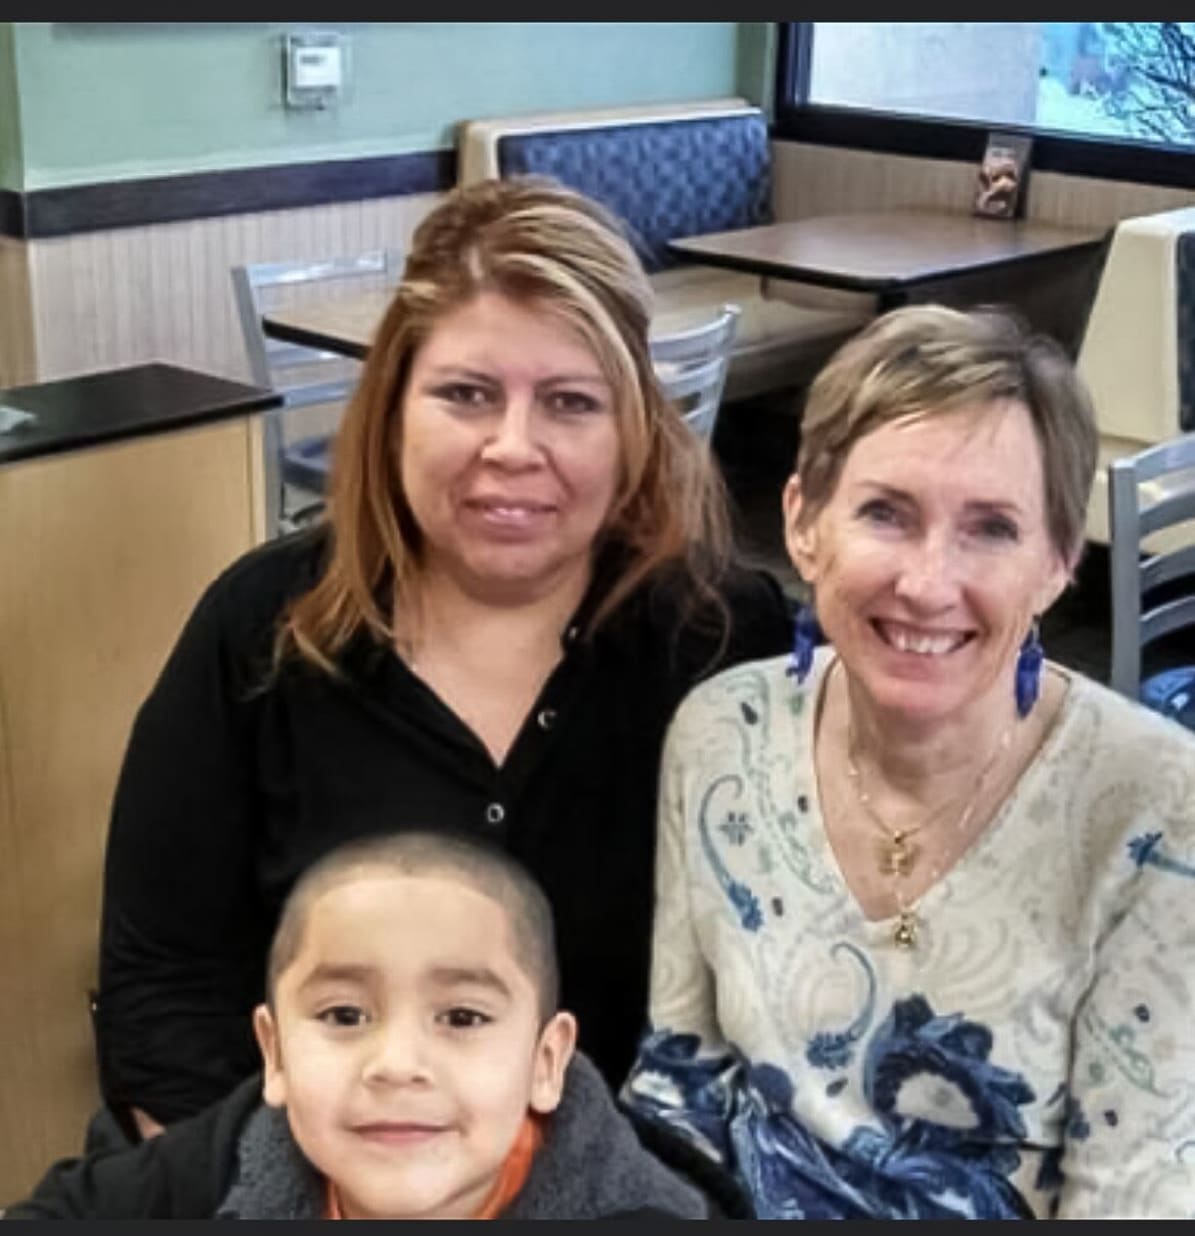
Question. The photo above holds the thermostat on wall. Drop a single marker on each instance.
(314, 68)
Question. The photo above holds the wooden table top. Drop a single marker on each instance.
(880, 251)
(883, 250)
(345, 325)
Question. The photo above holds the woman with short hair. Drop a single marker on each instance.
(525, 567)
(924, 936)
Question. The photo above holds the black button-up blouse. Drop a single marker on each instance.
(234, 781)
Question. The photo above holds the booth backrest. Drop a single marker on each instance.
(1138, 353)
(478, 139)
(672, 178)
(667, 170)
(1184, 265)
(670, 170)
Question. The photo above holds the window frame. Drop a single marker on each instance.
(798, 120)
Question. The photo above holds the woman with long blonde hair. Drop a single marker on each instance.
(525, 566)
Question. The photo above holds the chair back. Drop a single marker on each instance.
(305, 377)
(692, 365)
(1149, 493)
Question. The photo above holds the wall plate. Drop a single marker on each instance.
(313, 68)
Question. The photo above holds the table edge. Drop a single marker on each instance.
(311, 338)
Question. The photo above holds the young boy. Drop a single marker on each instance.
(415, 1066)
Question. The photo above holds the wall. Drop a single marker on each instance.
(10, 123)
(756, 63)
(103, 102)
(17, 363)
(112, 101)
(163, 292)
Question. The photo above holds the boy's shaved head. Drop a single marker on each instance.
(419, 853)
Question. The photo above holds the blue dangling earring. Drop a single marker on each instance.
(805, 640)
(1029, 661)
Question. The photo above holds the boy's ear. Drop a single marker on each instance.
(800, 536)
(557, 1041)
(273, 1086)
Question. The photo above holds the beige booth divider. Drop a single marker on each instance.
(104, 552)
(1129, 356)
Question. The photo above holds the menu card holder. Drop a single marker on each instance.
(1000, 185)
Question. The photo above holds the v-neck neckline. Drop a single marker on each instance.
(878, 929)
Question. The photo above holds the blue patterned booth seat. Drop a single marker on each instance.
(1172, 693)
(672, 171)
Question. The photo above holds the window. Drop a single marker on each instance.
(1102, 98)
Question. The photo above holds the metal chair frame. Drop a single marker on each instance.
(694, 363)
(1148, 492)
(302, 463)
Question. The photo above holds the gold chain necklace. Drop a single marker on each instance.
(897, 856)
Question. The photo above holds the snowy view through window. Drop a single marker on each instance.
(1101, 79)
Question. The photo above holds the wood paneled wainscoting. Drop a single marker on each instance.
(812, 179)
(163, 291)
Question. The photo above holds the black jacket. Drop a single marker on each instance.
(238, 1161)
(233, 783)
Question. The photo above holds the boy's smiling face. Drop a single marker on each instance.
(405, 1044)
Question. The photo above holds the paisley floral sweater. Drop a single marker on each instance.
(1033, 1055)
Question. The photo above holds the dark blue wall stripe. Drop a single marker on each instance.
(200, 195)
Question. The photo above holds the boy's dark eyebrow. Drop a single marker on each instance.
(328, 972)
(441, 976)
(472, 976)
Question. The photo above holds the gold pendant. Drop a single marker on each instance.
(904, 934)
(897, 856)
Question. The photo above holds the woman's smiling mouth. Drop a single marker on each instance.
(926, 643)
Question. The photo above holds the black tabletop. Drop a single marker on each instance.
(132, 402)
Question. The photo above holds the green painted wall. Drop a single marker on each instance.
(110, 101)
(756, 64)
(10, 116)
